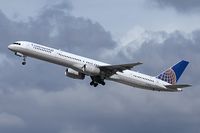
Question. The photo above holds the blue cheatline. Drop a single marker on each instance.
(172, 75)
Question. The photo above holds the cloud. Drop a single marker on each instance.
(10, 121)
(183, 6)
(110, 109)
(133, 40)
(161, 48)
(54, 26)
(65, 31)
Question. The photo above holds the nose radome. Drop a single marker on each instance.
(10, 47)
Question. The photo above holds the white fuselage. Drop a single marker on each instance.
(73, 61)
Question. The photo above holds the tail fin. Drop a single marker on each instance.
(172, 74)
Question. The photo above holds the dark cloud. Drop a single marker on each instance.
(38, 98)
(54, 27)
(83, 109)
(180, 5)
(159, 51)
(58, 28)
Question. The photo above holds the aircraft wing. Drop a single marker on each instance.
(177, 86)
(112, 69)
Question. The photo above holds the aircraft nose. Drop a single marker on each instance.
(10, 47)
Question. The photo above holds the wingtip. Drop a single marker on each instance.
(189, 85)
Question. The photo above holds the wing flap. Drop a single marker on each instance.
(120, 67)
(112, 69)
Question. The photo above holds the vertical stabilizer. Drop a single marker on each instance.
(172, 74)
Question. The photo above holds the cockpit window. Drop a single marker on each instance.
(16, 43)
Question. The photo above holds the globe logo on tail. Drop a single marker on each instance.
(168, 76)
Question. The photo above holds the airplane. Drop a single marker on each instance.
(77, 67)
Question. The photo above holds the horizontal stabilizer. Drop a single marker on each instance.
(177, 86)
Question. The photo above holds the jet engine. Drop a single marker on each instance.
(74, 74)
(91, 70)
(19, 54)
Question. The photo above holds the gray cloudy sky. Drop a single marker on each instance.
(39, 98)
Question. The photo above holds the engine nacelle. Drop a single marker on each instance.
(19, 54)
(74, 74)
(91, 70)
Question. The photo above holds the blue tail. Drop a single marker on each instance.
(172, 74)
